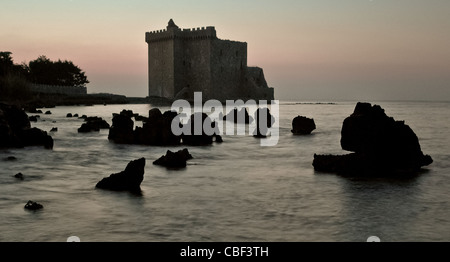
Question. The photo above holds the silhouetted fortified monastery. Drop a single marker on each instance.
(184, 61)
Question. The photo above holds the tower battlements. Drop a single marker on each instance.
(173, 31)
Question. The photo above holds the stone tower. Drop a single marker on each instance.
(184, 61)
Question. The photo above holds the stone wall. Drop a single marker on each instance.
(62, 90)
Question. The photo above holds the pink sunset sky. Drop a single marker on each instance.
(309, 50)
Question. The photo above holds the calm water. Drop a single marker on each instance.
(234, 191)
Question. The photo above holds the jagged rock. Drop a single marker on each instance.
(128, 180)
(302, 125)
(121, 131)
(19, 176)
(235, 115)
(31, 205)
(174, 160)
(202, 138)
(381, 146)
(140, 118)
(54, 129)
(260, 114)
(93, 124)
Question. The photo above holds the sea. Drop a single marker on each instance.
(235, 191)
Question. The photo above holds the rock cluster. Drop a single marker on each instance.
(380, 146)
(16, 131)
(157, 130)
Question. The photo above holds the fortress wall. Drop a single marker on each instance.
(161, 68)
(63, 90)
(195, 65)
(228, 67)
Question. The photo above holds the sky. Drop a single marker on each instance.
(310, 50)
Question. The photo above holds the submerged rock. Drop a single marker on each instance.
(128, 180)
(381, 146)
(174, 160)
(302, 125)
(19, 176)
(31, 205)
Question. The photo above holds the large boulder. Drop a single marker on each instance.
(174, 160)
(128, 180)
(302, 125)
(381, 146)
(16, 131)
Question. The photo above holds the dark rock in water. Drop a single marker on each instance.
(199, 121)
(121, 131)
(93, 124)
(239, 116)
(302, 125)
(83, 117)
(128, 180)
(33, 118)
(31, 205)
(19, 176)
(36, 137)
(16, 131)
(75, 115)
(174, 160)
(381, 146)
(48, 112)
(54, 129)
(264, 121)
(69, 115)
(10, 158)
(157, 129)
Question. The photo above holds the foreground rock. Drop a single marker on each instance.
(302, 125)
(381, 146)
(16, 131)
(128, 180)
(31, 205)
(174, 160)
